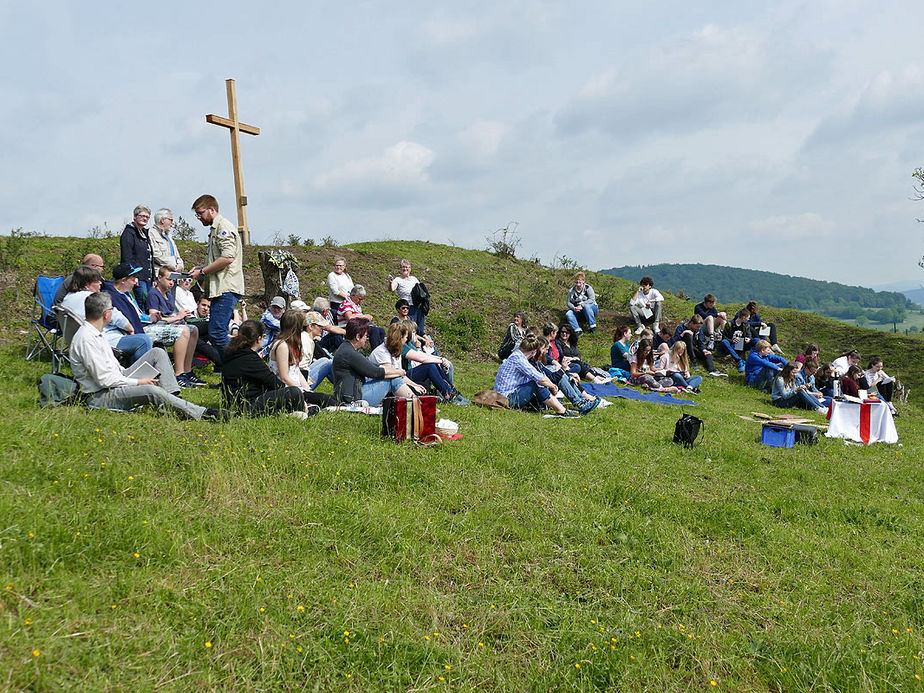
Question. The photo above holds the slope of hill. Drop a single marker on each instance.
(474, 293)
(733, 285)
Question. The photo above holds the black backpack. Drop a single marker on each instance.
(687, 429)
(420, 297)
(56, 390)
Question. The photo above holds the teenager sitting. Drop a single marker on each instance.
(247, 383)
(678, 368)
(516, 330)
(582, 302)
(691, 334)
(850, 381)
(285, 353)
(878, 381)
(170, 326)
(645, 305)
(826, 380)
(429, 369)
(642, 369)
(786, 392)
(707, 311)
(762, 366)
(568, 383)
(810, 352)
(619, 350)
(525, 386)
(757, 324)
(737, 337)
(806, 376)
(845, 361)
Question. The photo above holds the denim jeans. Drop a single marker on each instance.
(572, 392)
(374, 391)
(423, 373)
(141, 291)
(728, 348)
(134, 346)
(219, 316)
(692, 381)
(589, 312)
(526, 393)
(320, 369)
(418, 317)
(763, 379)
(800, 399)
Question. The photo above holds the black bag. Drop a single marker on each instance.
(687, 429)
(420, 297)
(806, 434)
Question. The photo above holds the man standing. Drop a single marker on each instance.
(223, 270)
(135, 246)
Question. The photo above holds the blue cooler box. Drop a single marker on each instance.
(777, 436)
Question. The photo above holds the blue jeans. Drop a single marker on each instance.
(692, 381)
(589, 312)
(763, 379)
(219, 316)
(418, 317)
(134, 346)
(730, 349)
(320, 369)
(572, 392)
(423, 373)
(527, 393)
(374, 391)
(141, 292)
(800, 399)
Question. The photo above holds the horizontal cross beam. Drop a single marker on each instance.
(243, 127)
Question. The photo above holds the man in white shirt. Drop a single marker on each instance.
(646, 305)
(103, 381)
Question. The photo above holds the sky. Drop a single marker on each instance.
(778, 136)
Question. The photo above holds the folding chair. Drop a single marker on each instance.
(43, 331)
(68, 324)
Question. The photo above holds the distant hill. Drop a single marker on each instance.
(735, 284)
(915, 296)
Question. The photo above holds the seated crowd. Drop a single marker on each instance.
(276, 363)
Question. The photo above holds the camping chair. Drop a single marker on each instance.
(43, 331)
(68, 324)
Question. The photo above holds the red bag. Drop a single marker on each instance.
(409, 419)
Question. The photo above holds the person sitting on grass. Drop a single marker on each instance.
(757, 325)
(679, 368)
(806, 376)
(103, 381)
(762, 366)
(568, 383)
(570, 356)
(786, 392)
(161, 300)
(691, 334)
(645, 305)
(523, 385)
(663, 336)
(285, 354)
(810, 352)
(737, 338)
(707, 311)
(619, 350)
(314, 364)
(331, 333)
(428, 369)
(250, 387)
(850, 381)
(825, 379)
(642, 370)
(582, 302)
(270, 320)
(516, 330)
(352, 308)
(878, 382)
(845, 361)
(355, 378)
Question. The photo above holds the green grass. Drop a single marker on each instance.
(588, 554)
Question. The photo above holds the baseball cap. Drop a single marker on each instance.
(124, 269)
(279, 302)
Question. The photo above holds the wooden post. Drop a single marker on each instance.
(236, 127)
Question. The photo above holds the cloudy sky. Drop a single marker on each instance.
(779, 136)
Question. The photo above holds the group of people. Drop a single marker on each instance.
(274, 364)
(660, 359)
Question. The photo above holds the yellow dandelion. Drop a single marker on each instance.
(27, 621)
(262, 609)
(208, 643)
(447, 667)
(442, 678)
(36, 652)
(481, 644)
(300, 607)
(577, 666)
(136, 555)
(631, 656)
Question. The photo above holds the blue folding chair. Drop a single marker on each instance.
(44, 334)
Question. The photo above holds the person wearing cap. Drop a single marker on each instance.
(270, 320)
(128, 336)
(223, 271)
(315, 364)
(135, 249)
(331, 334)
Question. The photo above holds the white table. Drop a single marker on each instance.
(863, 423)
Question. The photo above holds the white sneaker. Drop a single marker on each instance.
(718, 374)
(641, 328)
(298, 415)
(776, 350)
(604, 403)
(656, 328)
(822, 410)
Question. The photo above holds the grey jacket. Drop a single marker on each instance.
(586, 297)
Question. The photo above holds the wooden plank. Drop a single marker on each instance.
(761, 415)
(224, 122)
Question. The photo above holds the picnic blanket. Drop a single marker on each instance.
(611, 390)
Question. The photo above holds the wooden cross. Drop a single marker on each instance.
(236, 127)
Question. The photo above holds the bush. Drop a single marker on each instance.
(14, 246)
(460, 331)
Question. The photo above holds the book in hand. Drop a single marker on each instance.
(764, 331)
(141, 370)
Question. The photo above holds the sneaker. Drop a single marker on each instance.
(578, 332)
(218, 414)
(822, 410)
(570, 414)
(741, 367)
(195, 379)
(460, 400)
(776, 350)
(640, 329)
(298, 414)
(589, 405)
(312, 409)
(604, 403)
(183, 381)
(592, 329)
(656, 328)
(718, 374)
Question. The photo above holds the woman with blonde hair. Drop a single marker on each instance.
(285, 354)
(679, 368)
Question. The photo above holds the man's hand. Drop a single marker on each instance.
(196, 273)
(147, 381)
(578, 309)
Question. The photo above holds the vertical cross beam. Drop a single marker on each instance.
(236, 127)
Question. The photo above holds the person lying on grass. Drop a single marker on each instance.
(523, 385)
(249, 386)
(568, 383)
(762, 366)
(787, 392)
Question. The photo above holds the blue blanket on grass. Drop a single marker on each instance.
(611, 390)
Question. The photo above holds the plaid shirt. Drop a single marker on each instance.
(515, 371)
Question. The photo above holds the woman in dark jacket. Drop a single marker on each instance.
(570, 356)
(248, 385)
(135, 250)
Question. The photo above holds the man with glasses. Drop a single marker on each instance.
(163, 248)
(135, 246)
(89, 260)
(223, 271)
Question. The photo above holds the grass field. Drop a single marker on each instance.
(138, 551)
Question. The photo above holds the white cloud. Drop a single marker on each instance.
(402, 162)
(795, 227)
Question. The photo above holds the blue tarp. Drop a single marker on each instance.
(611, 390)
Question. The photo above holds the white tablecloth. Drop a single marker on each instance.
(864, 423)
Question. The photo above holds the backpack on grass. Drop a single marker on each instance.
(56, 390)
(687, 429)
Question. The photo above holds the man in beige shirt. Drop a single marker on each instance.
(223, 271)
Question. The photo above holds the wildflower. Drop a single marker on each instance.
(577, 666)
(481, 644)
(300, 607)
(27, 621)
(262, 609)
(208, 643)
(447, 667)
(136, 555)
(36, 652)
(713, 683)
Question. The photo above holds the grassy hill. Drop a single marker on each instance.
(140, 551)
